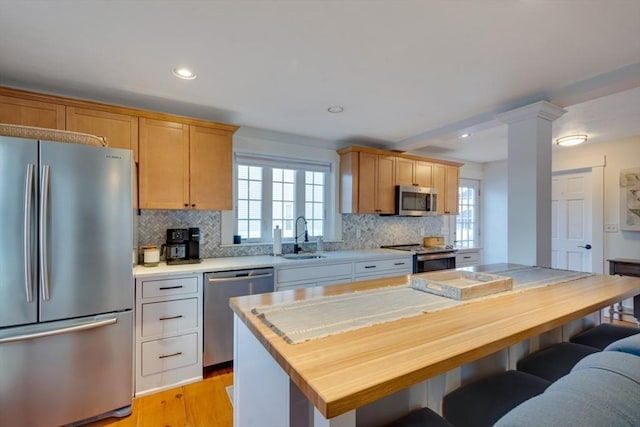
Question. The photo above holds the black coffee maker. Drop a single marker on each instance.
(183, 246)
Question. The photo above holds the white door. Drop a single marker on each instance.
(571, 221)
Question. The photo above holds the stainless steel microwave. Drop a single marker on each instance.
(416, 201)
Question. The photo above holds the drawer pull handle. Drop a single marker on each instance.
(171, 287)
(467, 257)
(398, 263)
(369, 266)
(170, 355)
(172, 317)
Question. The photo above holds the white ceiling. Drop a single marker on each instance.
(411, 75)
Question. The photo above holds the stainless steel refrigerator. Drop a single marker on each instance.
(66, 285)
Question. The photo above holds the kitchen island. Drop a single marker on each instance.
(376, 373)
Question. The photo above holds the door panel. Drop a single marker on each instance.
(571, 221)
(89, 225)
(59, 379)
(15, 155)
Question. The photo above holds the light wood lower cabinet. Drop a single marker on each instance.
(184, 166)
(168, 332)
(25, 112)
(121, 130)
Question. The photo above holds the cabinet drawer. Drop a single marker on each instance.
(467, 258)
(371, 267)
(161, 288)
(169, 353)
(312, 273)
(170, 317)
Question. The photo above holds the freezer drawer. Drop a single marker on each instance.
(73, 370)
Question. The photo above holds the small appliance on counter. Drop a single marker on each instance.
(183, 246)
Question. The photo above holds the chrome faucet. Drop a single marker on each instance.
(296, 247)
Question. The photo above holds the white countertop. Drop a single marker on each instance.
(257, 261)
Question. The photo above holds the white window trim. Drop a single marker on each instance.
(333, 219)
(452, 218)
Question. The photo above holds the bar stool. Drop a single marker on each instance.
(554, 361)
(485, 401)
(423, 417)
(603, 335)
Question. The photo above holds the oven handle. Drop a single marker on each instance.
(429, 257)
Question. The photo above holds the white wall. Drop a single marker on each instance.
(619, 154)
(494, 212)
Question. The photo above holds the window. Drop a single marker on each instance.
(270, 195)
(467, 233)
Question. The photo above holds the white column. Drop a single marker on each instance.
(529, 182)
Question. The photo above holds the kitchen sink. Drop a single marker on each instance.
(302, 256)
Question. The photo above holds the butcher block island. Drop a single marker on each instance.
(371, 372)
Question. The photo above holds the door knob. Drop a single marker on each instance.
(587, 246)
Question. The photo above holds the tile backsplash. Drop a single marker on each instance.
(358, 231)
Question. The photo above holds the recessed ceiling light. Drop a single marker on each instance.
(335, 109)
(183, 73)
(465, 135)
(568, 141)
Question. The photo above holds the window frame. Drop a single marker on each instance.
(300, 166)
(476, 243)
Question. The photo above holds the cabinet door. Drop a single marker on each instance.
(445, 179)
(210, 166)
(423, 175)
(121, 130)
(25, 112)
(405, 171)
(367, 176)
(439, 177)
(452, 182)
(386, 194)
(164, 164)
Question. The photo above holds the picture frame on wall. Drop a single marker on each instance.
(630, 199)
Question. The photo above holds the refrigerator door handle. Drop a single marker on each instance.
(28, 266)
(44, 207)
(65, 330)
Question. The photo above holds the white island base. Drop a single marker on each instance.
(265, 396)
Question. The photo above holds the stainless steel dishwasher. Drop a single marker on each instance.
(218, 316)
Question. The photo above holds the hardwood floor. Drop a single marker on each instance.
(201, 404)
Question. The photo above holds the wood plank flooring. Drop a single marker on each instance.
(201, 404)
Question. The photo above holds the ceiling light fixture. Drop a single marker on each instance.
(335, 109)
(465, 135)
(183, 73)
(568, 141)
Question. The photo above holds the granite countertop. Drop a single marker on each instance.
(257, 261)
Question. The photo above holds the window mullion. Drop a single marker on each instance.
(267, 204)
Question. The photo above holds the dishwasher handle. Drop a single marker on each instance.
(239, 278)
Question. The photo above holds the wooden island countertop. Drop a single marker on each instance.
(342, 372)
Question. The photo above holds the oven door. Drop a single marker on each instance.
(433, 262)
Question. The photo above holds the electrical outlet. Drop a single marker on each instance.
(357, 233)
(611, 228)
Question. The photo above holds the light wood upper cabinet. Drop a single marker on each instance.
(27, 112)
(413, 172)
(184, 166)
(121, 130)
(446, 179)
(367, 182)
(423, 175)
(164, 164)
(368, 178)
(405, 171)
(210, 167)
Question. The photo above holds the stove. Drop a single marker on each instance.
(429, 259)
